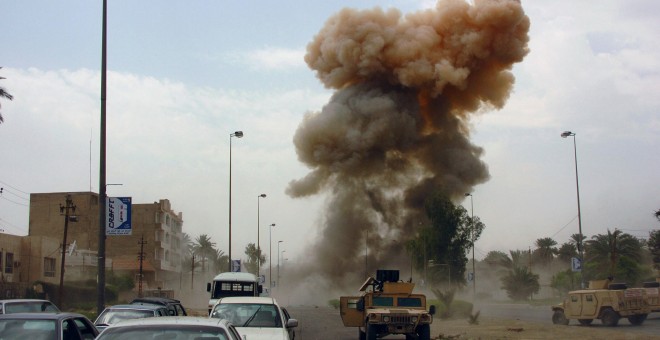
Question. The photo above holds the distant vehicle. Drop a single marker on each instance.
(256, 318)
(608, 305)
(27, 306)
(171, 327)
(174, 306)
(233, 284)
(116, 313)
(390, 307)
(51, 326)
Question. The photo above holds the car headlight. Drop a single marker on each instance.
(386, 319)
(414, 319)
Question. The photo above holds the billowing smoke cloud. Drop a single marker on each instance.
(396, 129)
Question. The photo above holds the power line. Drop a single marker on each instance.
(17, 203)
(564, 227)
(15, 188)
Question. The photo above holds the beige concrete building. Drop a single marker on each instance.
(154, 224)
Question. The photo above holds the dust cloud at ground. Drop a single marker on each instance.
(397, 127)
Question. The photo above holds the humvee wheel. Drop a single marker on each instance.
(424, 332)
(371, 332)
(558, 318)
(585, 322)
(610, 318)
(361, 334)
(637, 319)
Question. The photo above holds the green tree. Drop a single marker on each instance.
(565, 281)
(654, 247)
(520, 283)
(4, 94)
(616, 254)
(566, 251)
(445, 241)
(545, 250)
(220, 261)
(254, 255)
(204, 248)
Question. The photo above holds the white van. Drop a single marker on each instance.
(233, 284)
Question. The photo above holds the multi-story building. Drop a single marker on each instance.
(156, 229)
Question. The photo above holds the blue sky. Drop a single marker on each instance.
(183, 75)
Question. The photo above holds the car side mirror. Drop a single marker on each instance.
(291, 323)
(260, 289)
(208, 287)
(432, 310)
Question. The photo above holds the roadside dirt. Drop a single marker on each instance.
(489, 328)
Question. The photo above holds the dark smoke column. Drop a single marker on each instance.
(396, 128)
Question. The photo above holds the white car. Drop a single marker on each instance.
(170, 327)
(256, 318)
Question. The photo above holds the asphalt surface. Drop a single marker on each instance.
(324, 323)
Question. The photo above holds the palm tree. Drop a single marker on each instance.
(606, 251)
(577, 240)
(204, 247)
(566, 252)
(545, 250)
(4, 94)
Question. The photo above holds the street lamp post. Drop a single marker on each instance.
(238, 134)
(258, 238)
(278, 264)
(278, 267)
(577, 187)
(270, 258)
(474, 273)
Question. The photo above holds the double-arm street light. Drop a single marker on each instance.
(577, 186)
(474, 273)
(237, 134)
(258, 239)
(270, 258)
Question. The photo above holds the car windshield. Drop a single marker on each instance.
(112, 316)
(248, 314)
(30, 307)
(27, 329)
(164, 332)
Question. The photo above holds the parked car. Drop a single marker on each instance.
(173, 306)
(27, 306)
(116, 313)
(171, 327)
(51, 326)
(255, 317)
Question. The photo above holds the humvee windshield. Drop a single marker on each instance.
(409, 302)
(388, 301)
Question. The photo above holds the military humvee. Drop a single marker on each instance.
(609, 305)
(387, 306)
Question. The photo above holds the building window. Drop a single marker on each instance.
(9, 263)
(49, 267)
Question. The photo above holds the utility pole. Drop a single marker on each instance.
(142, 242)
(66, 209)
(192, 272)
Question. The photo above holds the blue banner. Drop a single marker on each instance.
(118, 216)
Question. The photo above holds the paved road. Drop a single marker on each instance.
(324, 323)
(542, 314)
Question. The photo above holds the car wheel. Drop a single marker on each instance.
(585, 322)
(637, 319)
(371, 332)
(424, 332)
(558, 318)
(610, 317)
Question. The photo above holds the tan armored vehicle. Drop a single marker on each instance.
(608, 305)
(387, 306)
